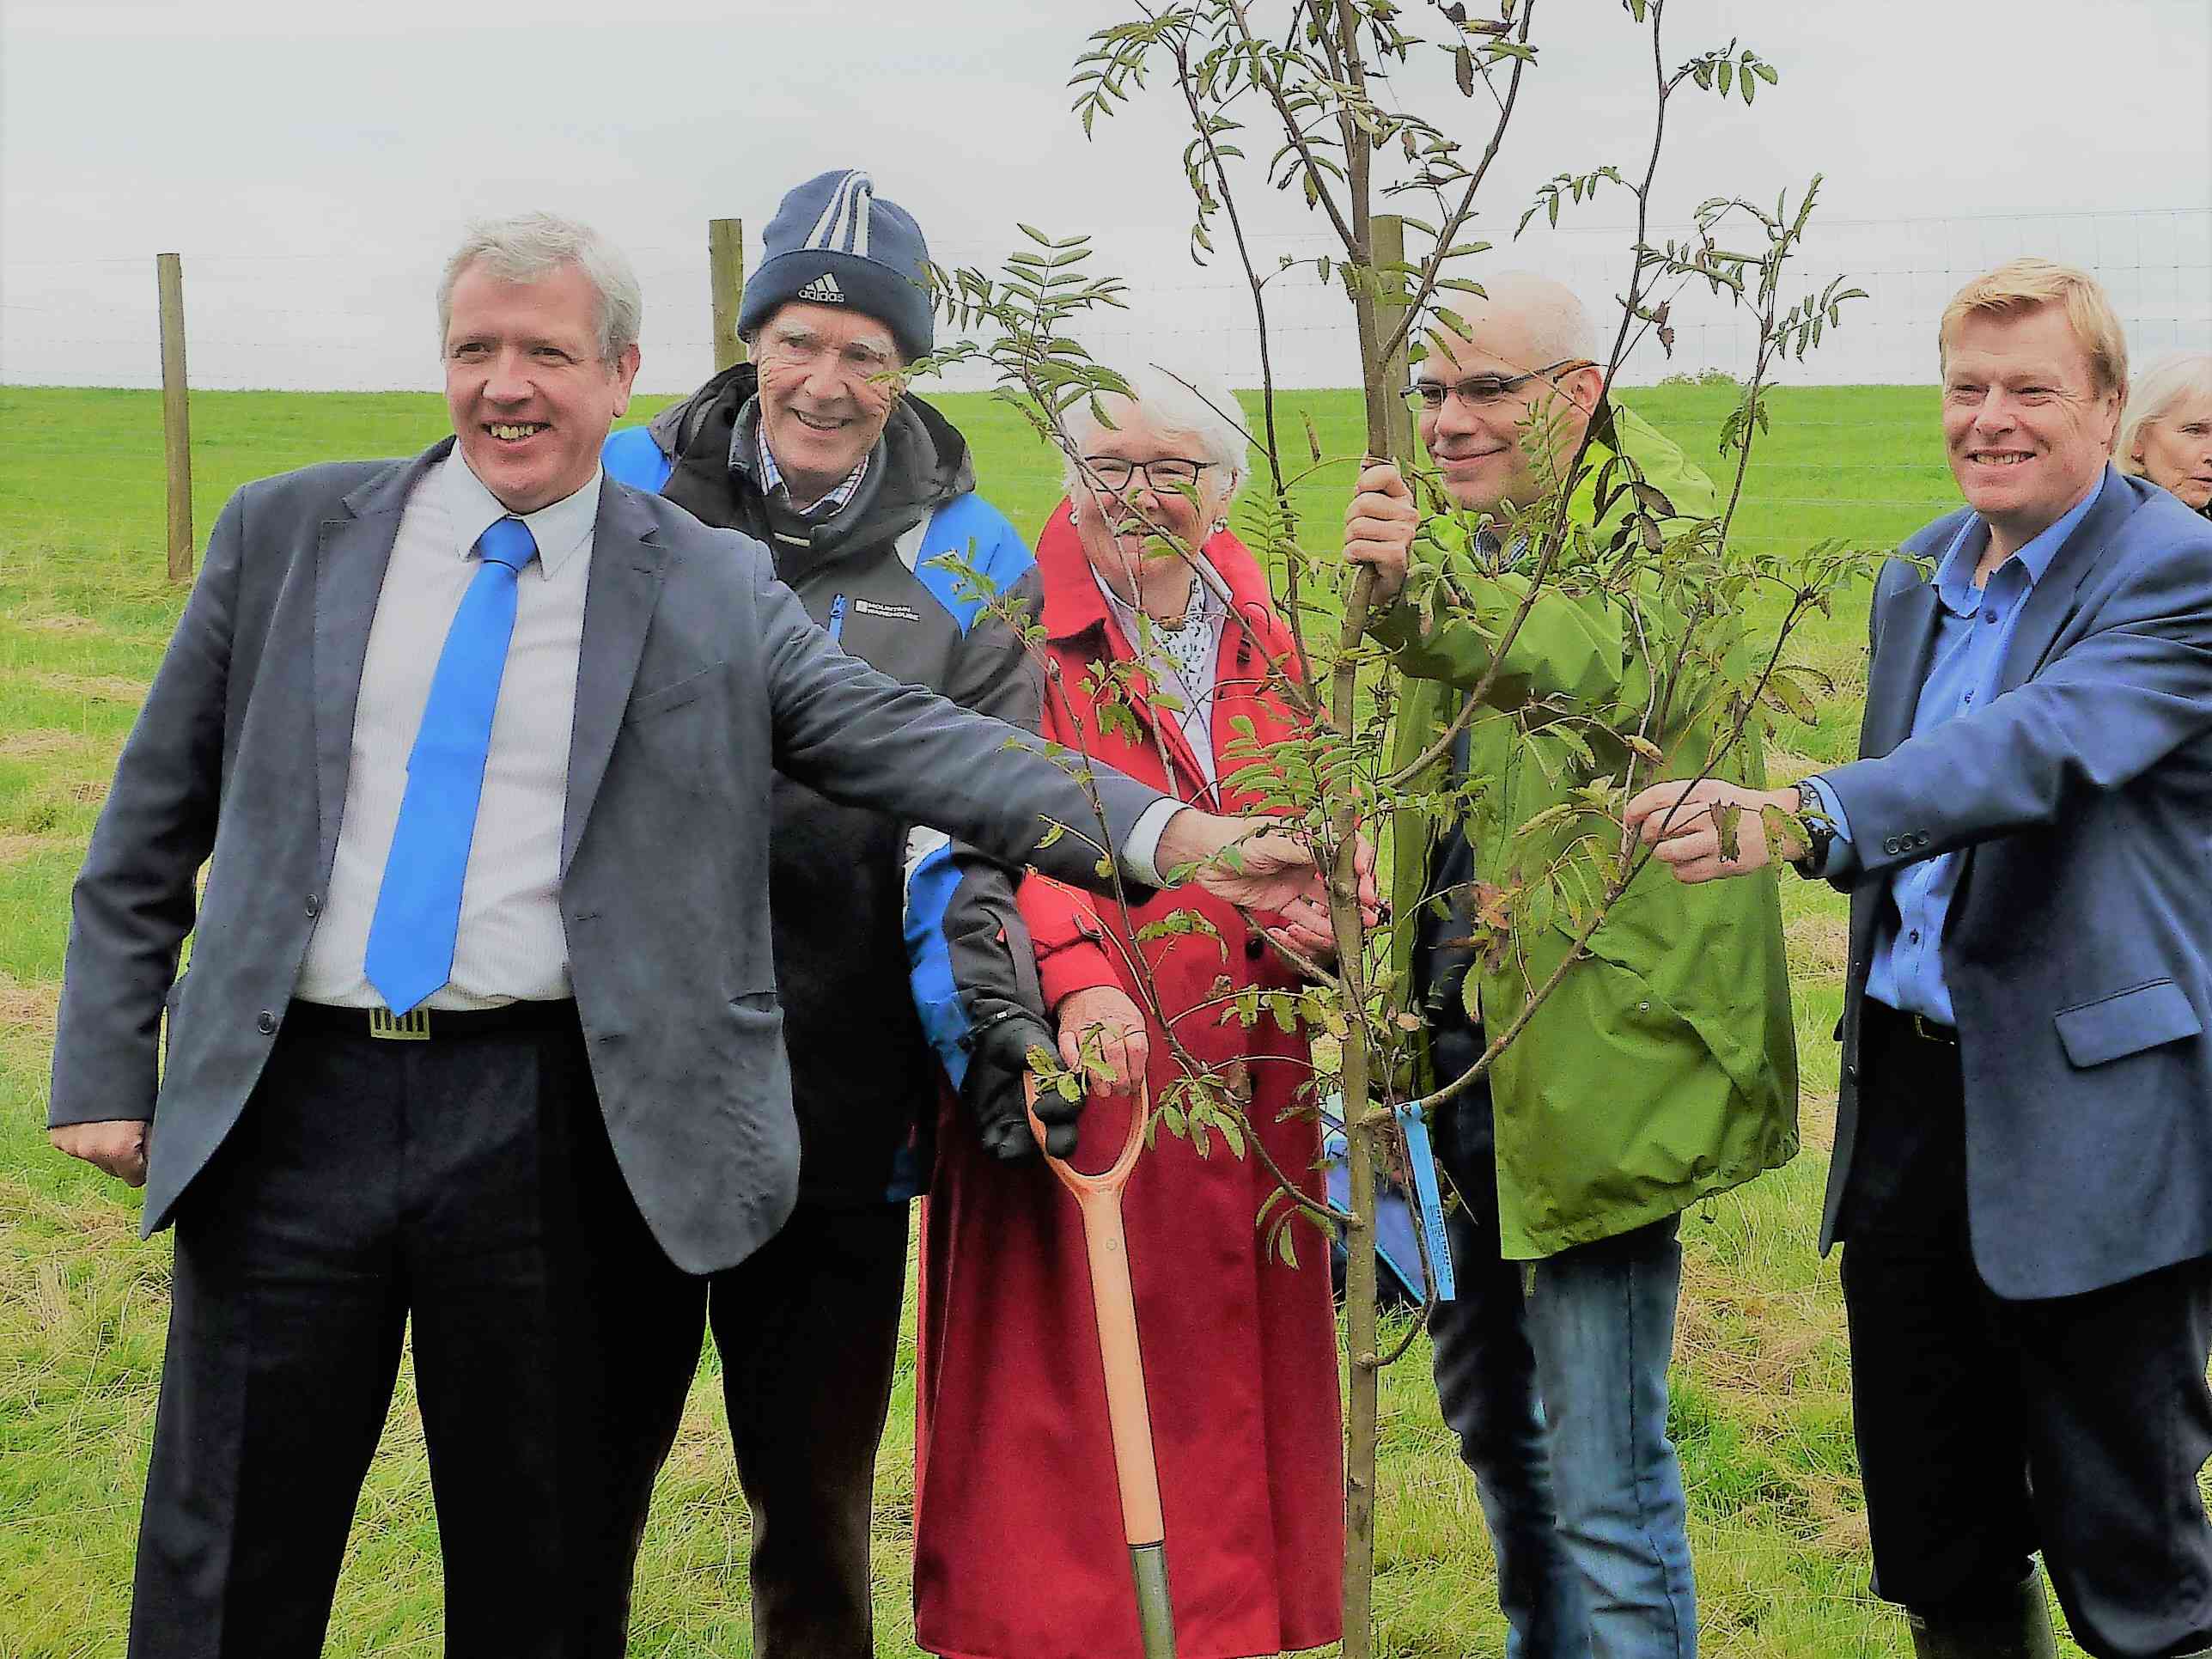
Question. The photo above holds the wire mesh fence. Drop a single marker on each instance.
(1855, 457)
(361, 320)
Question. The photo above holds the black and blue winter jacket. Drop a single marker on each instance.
(893, 947)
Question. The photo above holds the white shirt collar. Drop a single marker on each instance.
(560, 530)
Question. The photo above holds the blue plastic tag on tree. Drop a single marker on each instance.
(1429, 1201)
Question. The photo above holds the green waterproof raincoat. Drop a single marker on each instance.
(1664, 1067)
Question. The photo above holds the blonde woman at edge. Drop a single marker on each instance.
(2167, 434)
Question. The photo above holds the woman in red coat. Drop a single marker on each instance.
(1018, 1547)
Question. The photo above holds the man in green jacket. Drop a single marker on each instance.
(1662, 1068)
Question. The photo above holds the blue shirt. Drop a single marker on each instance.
(1973, 627)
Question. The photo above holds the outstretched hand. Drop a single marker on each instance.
(1709, 829)
(1256, 864)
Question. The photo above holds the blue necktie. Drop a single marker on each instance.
(411, 938)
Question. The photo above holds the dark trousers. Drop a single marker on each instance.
(807, 1328)
(463, 1187)
(1988, 1429)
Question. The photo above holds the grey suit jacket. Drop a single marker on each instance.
(2078, 949)
(698, 672)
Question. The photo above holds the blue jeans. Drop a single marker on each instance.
(1553, 1374)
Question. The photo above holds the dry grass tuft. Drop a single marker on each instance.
(1819, 944)
(93, 688)
(28, 1009)
(58, 622)
(40, 743)
(18, 849)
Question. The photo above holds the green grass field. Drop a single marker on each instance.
(1761, 1410)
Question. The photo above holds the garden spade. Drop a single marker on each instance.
(1098, 1198)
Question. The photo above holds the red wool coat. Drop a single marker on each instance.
(1018, 1552)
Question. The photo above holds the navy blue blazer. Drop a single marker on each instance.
(2078, 947)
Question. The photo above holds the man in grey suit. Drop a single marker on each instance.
(480, 1031)
(2023, 1168)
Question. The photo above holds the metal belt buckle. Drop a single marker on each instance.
(412, 1027)
(1928, 1032)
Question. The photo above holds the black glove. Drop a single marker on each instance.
(998, 1061)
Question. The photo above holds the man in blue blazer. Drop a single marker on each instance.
(2023, 1163)
(481, 1037)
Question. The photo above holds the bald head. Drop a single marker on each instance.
(1525, 328)
(1528, 318)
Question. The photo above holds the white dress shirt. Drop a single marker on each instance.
(511, 945)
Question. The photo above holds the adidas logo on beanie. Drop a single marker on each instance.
(823, 290)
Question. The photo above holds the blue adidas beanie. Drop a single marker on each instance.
(832, 242)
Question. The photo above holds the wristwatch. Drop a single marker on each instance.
(1818, 832)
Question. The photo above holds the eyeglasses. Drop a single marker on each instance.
(1479, 391)
(1161, 476)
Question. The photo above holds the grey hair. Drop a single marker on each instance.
(531, 245)
(2153, 395)
(1557, 324)
(1180, 400)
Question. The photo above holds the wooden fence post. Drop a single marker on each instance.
(176, 414)
(1386, 234)
(726, 272)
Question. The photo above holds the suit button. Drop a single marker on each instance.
(1920, 840)
(1851, 1073)
(1889, 844)
(266, 1023)
(315, 904)
(1254, 945)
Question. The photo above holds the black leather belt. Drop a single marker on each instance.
(1919, 1025)
(424, 1025)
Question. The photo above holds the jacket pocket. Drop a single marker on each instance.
(2126, 1023)
(689, 689)
(682, 728)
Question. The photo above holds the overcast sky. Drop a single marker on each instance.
(312, 160)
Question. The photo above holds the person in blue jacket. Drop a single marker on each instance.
(890, 940)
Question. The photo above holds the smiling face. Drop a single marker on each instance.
(823, 395)
(1481, 449)
(1116, 526)
(2175, 450)
(2026, 427)
(531, 397)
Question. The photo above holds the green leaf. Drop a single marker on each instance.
(1785, 839)
(1727, 815)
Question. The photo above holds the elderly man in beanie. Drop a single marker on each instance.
(857, 489)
